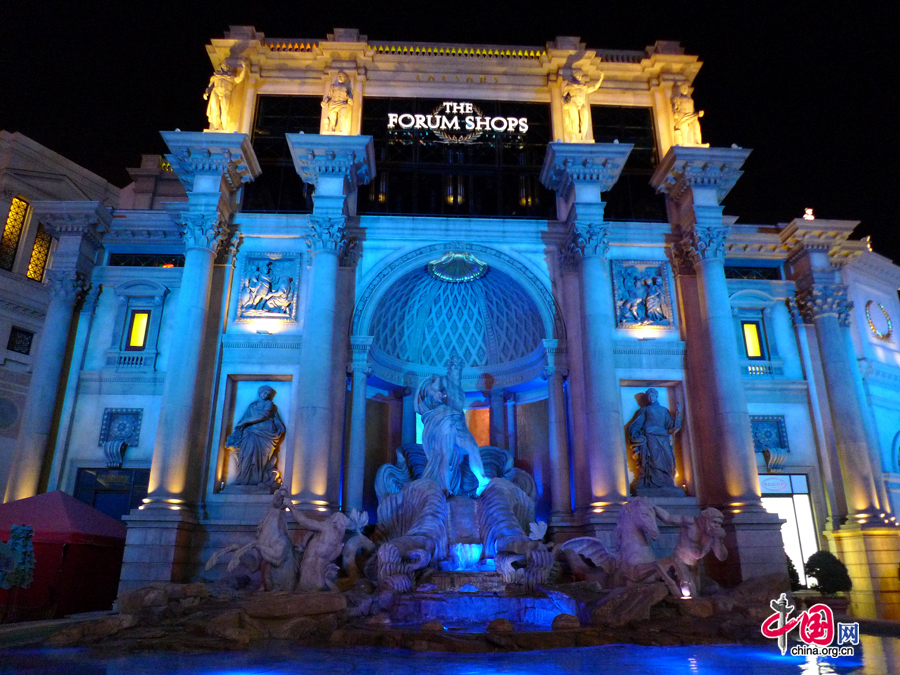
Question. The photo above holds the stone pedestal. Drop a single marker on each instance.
(158, 546)
(872, 558)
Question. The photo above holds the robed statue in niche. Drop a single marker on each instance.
(440, 401)
(337, 105)
(650, 432)
(255, 442)
(219, 94)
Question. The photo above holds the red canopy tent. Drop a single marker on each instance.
(78, 552)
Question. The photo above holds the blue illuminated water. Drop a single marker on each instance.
(880, 656)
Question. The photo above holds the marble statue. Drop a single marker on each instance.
(576, 115)
(255, 441)
(633, 561)
(317, 568)
(17, 558)
(650, 432)
(503, 513)
(308, 566)
(272, 547)
(413, 516)
(337, 104)
(698, 536)
(687, 120)
(356, 542)
(446, 437)
(218, 93)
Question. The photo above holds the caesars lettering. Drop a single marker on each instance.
(449, 119)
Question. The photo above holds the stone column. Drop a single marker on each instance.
(696, 179)
(868, 545)
(355, 468)
(77, 226)
(497, 408)
(580, 173)
(560, 478)
(335, 166)
(409, 415)
(212, 167)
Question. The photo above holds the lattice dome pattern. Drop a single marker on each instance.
(486, 321)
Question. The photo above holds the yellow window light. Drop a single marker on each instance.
(137, 338)
(752, 344)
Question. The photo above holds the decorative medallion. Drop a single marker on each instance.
(121, 424)
(769, 431)
(641, 289)
(881, 328)
(457, 267)
(269, 287)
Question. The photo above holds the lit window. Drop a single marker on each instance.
(753, 341)
(15, 222)
(137, 331)
(39, 254)
(787, 495)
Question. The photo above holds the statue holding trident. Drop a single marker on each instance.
(446, 437)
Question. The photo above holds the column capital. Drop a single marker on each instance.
(568, 164)
(554, 354)
(201, 230)
(686, 169)
(821, 300)
(348, 158)
(326, 234)
(701, 243)
(360, 346)
(216, 155)
(587, 239)
(66, 285)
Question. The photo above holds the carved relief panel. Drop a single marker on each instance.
(269, 286)
(641, 290)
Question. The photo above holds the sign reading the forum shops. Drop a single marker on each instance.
(457, 122)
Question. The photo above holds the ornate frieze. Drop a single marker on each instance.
(66, 285)
(823, 300)
(641, 291)
(685, 168)
(327, 234)
(349, 157)
(269, 287)
(201, 230)
(567, 164)
(229, 155)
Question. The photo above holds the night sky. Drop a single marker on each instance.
(809, 87)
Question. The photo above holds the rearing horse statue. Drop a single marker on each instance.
(633, 561)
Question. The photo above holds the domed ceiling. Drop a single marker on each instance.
(457, 305)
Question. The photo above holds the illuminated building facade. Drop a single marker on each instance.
(361, 211)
